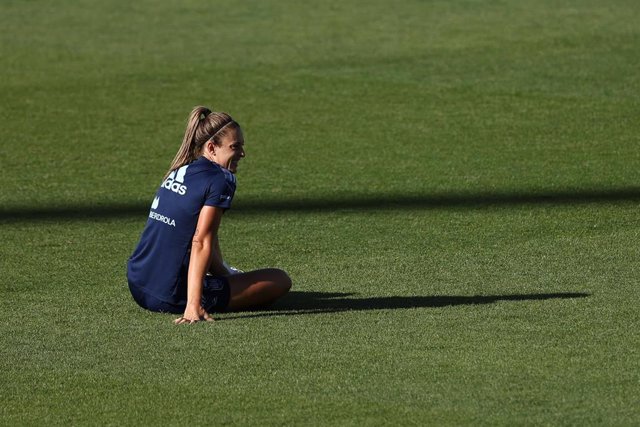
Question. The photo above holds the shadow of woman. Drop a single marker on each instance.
(301, 302)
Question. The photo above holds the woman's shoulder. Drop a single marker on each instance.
(211, 171)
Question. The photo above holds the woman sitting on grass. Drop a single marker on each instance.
(177, 266)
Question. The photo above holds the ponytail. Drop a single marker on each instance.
(202, 125)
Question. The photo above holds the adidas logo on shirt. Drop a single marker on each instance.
(175, 181)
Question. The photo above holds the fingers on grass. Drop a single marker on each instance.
(182, 320)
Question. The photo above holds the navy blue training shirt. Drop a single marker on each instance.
(160, 262)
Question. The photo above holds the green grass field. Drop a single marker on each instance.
(452, 185)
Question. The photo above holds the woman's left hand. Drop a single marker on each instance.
(193, 315)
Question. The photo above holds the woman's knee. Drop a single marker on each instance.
(280, 278)
(257, 288)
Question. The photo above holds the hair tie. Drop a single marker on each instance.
(204, 114)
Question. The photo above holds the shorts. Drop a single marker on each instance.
(215, 297)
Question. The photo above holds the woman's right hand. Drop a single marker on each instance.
(193, 314)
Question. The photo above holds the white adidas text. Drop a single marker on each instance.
(176, 187)
(175, 180)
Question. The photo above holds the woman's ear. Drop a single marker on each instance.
(210, 147)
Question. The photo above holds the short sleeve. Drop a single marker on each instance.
(221, 190)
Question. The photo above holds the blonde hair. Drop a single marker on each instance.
(202, 125)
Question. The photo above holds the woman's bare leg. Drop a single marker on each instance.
(257, 288)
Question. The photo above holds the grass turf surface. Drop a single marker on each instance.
(451, 185)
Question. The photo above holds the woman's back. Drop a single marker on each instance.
(160, 262)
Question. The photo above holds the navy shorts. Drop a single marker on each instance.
(215, 297)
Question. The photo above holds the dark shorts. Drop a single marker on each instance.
(215, 297)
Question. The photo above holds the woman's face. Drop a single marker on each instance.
(230, 150)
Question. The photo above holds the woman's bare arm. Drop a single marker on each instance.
(217, 267)
(202, 249)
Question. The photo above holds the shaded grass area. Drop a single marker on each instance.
(356, 203)
(319, 302)
(452, 186)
